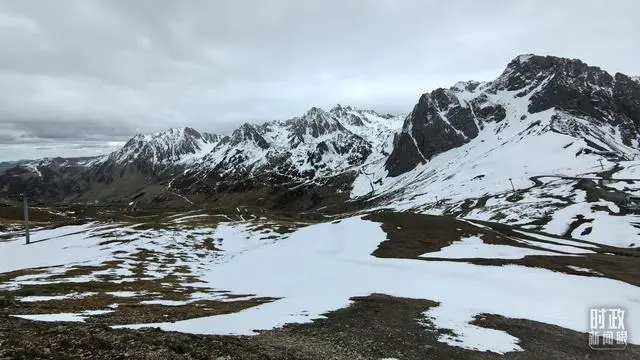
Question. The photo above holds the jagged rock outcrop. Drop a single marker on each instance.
(438, 122)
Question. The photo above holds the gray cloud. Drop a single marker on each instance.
(97, 70)
(56, 130)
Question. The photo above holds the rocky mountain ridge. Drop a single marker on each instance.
(577, 113)
(448, 118)
(307, 150)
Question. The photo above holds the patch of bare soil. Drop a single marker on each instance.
(411, 235)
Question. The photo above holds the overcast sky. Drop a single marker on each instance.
(78, 76)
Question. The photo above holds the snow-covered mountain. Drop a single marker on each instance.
(164, 148)
(584, 102)
(543, 116)
(306, 150)
(317, 144)
(311, 147)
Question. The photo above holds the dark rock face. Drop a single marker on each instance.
(427, 133)
(626, 97)
(572, 86)
(527, 72)
(248, 133)
(316, 156)
(460, 117)
(432, 133)
(588, 91)
(405, 156)
(486, 111)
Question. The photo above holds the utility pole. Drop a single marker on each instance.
(601, 166)
(26, 218)
(512, 187)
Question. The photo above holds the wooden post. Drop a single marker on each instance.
(513, 187)
(601, 166)
(26, 219)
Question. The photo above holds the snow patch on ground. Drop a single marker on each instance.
(56, 297)
(470, 336)
(584, 270)
(72, 317)
(125, 294)
(165, 302)
(474, 247)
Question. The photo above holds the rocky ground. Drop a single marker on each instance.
(373, 327)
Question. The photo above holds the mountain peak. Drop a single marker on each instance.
(525, 72)
(538, 61)
(163, 147)
(339, 108)
(316, 112)
(470, 86)
(248, 133)
(317, 115)
(524, 58)
(171, 132)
